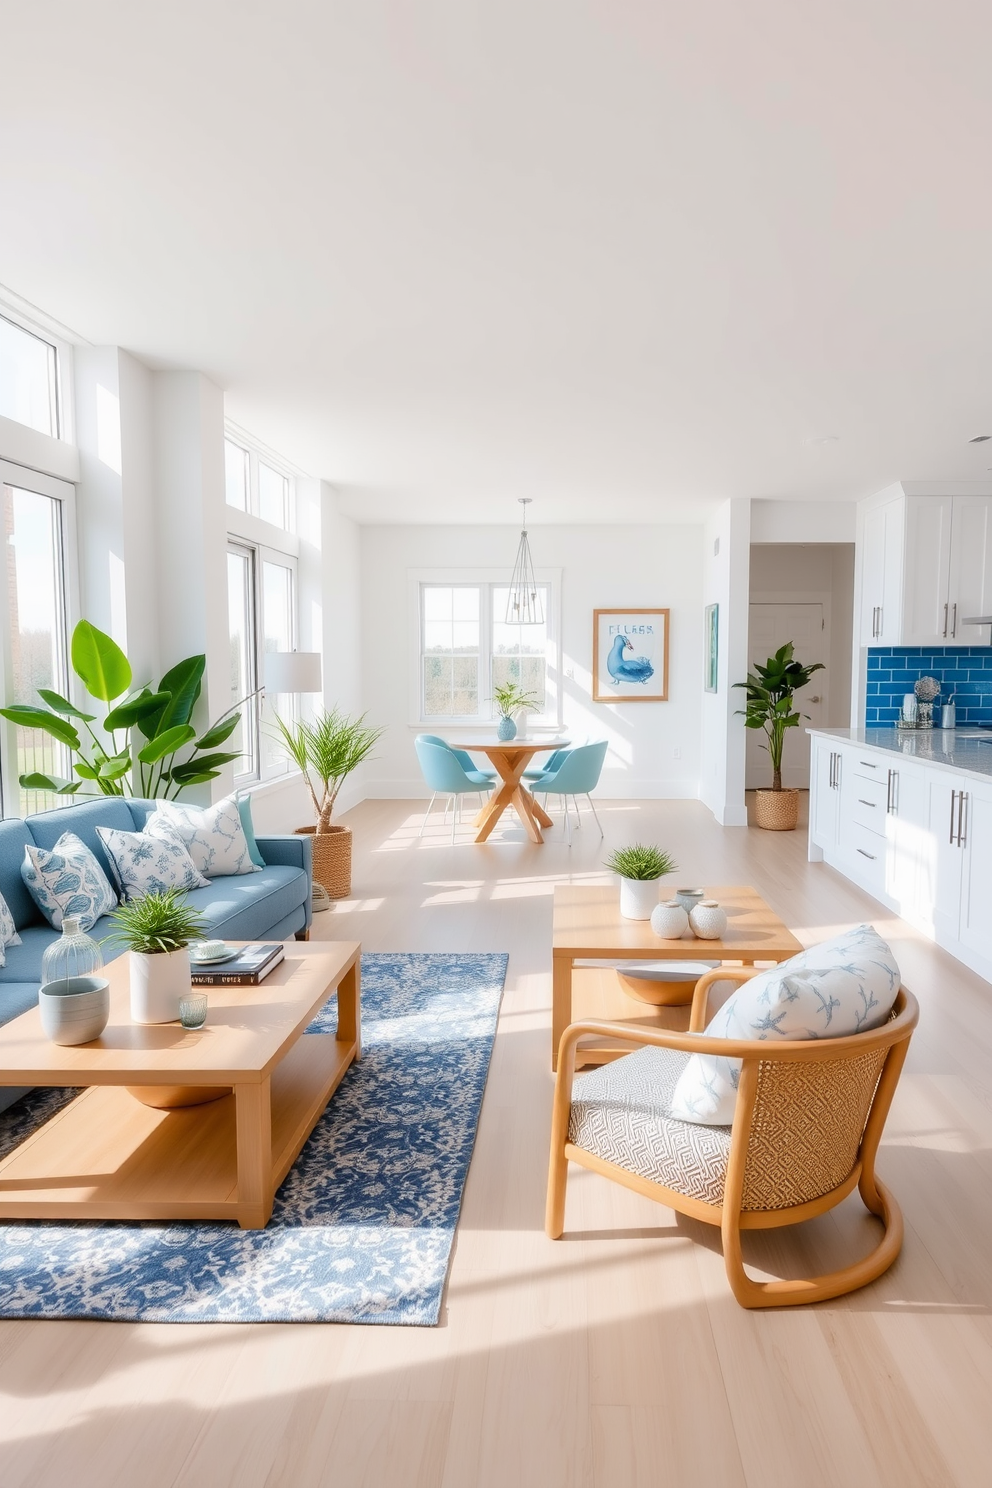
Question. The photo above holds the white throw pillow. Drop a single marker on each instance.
(846, 985)
(67, 880)
(212, 835)
(147, 863)
(8, 930)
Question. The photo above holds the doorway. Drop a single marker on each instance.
(769, 627)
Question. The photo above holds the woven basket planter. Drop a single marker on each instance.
(331, 859)
(776, 811)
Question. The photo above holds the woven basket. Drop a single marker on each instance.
(776, 811)
(331, 859)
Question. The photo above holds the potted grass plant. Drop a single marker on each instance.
(326, 750)
(770, 705)
(641, 869)
(157, 929)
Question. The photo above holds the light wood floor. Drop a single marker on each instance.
(616, 1356)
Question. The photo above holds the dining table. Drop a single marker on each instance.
(510, 759)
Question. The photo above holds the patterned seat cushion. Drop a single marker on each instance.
(622, 1114)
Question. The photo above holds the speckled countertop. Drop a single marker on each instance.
(966, 749)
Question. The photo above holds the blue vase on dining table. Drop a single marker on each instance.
(506, 730)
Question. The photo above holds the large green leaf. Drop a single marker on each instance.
(166, 743)
(218, 732)
(62, 705)
(126, 715)
(38, 782)
(86, 770)
(39, 718)
(183, 683)
(179, 773)
(182, 775)
(99, 662)
(116, 768)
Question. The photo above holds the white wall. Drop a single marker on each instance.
(803, 521)
(726, 550)
(601, 568)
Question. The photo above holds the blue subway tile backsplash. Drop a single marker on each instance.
(965, 671)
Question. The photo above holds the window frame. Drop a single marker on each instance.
(261, 553)
(25, 479)
(487, 580)
(51, 335)
(239, 517)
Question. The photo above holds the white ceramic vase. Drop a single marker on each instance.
(669, 920)
(157, 983)
(520, 719)
(708, 920)
(638, 897)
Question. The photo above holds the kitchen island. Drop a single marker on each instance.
(907, 815)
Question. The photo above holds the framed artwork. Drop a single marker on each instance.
(630, 656)
(712, 647)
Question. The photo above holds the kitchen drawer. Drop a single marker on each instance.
(867, 853)
(869, 801)
(869, 767)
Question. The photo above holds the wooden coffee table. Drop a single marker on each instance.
(110, 1155)
(588, 926)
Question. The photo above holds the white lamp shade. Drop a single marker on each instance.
(292, 671)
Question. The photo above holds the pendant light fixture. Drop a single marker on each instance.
(524, 605)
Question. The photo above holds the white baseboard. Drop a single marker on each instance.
(637, 790)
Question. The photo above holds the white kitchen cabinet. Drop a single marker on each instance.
(825, 782)
(926, 565)
(909, 875)
(945, 808)
(975, 928)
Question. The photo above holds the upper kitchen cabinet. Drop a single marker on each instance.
(926, 566)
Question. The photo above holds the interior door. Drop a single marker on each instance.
(769, 627)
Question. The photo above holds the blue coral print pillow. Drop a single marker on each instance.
(67, 880)
(846, 985)
(8, 930)
(145, 864)
(212, 835)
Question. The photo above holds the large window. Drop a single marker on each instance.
(33, 607)
(253, 484)
(28, 379)
(467, 648)
(261, 598)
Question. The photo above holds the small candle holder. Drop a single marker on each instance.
(193, 1010)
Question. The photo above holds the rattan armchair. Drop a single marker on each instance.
(808, 1121)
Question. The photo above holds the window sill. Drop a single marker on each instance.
(267, 787)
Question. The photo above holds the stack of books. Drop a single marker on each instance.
(249, 967)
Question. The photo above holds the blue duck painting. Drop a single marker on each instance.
(624, 668)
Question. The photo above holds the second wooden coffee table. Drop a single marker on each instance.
(588, 926)
(110, 1155)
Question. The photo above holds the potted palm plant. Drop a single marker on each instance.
(771, 691)
(640, 869)
(326, 751)
(509, 699)
(157, 930)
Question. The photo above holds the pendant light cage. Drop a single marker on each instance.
(524, 605)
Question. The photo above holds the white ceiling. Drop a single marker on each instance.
(625, 258)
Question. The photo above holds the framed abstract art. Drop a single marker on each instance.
(630, 656)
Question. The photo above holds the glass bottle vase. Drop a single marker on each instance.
(74, 954)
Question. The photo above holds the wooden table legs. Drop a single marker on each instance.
(512, 792)
(254, 1122)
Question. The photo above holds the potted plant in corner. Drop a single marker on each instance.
(771, 691)
(509, 699)
(326, 751)
(157, 930)
(640, 869)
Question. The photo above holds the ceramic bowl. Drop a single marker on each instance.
(689, 898)
(76, 1010)
(662, 983)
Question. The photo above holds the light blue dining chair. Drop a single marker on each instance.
(443, 772)
(482, 773)
(577, 775)
(551, 763)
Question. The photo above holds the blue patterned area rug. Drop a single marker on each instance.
(363, 1226)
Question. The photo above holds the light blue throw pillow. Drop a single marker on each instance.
(843, 986)
(147, 864)
(67, 880)
(248, 827)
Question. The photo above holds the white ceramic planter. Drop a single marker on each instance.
(638, 897)
(708, 920)
(670, 920)
(520, 719)
(75, 1009)
(157, 983)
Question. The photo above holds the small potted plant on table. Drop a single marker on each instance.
(771, 691)
(157, 930)
(327, 750)
(641, 869)
(509, 699)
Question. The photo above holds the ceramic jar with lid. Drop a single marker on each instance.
(708, 920)
(669, 920)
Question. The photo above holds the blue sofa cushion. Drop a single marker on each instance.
(109, 811)
(236, 906)
(14, 838)
(15, 999)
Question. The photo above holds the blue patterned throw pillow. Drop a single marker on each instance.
(8, 930)
(846, 985)
(146, 864)
(212, 835)
(67, 880)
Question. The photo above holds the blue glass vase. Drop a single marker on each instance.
(506, 730)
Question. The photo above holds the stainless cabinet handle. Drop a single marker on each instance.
(868, 764)
(866, 854)
(962, 819)
(945, 622)
(880, 620)
(954, 620)
(954, 802)
(863, 802)
(890, 794)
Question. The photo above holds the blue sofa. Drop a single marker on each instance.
(272, 904)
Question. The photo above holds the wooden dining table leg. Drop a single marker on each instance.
(511, 768)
